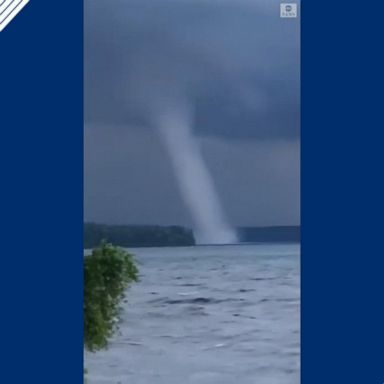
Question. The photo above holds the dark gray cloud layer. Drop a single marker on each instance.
(237, 64)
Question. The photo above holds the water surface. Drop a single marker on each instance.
(208, 315)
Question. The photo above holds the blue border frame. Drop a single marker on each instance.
(342, 193)
(41, 193)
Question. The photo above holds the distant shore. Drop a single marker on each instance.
(137, 236)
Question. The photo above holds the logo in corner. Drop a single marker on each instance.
(9, 10)
(288, 10)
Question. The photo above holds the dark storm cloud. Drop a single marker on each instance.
(236, 62)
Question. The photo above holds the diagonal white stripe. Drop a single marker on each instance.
(9, 9)
(5, 4)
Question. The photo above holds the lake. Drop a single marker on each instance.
(208, 315)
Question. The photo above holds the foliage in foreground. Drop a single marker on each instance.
(107, 274)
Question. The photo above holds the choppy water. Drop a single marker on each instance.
(208, 315)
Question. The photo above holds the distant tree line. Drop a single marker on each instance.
(137, 235)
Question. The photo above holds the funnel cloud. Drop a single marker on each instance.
(192, 114)
(195, 182)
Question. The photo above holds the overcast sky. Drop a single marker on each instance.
(237, 63)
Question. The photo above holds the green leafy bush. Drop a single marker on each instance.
(108, 270)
